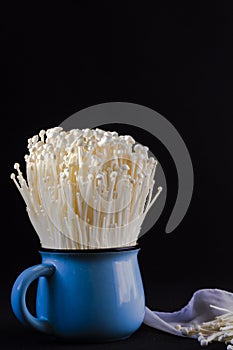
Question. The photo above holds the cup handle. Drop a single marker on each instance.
(18, 296)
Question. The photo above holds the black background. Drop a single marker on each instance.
(174, 58)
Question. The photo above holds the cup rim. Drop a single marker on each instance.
(87, 251)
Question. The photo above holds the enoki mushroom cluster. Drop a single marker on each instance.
(86, 188)
(220, 329)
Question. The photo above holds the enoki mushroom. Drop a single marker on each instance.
(86, 188)
(220, 329)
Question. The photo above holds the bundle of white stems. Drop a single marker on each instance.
(220, 329)
(86, 188)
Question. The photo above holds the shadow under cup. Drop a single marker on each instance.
(84, 295)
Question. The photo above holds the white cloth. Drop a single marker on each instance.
(197, 310)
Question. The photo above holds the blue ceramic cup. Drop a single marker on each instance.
(84, 296)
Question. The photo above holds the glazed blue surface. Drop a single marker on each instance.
(85, 296)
